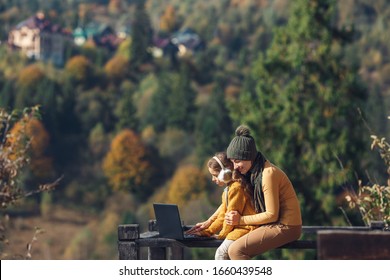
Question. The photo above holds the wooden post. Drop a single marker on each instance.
(163, 253)
(127, 247)
(176, 253)
(353, 245)
(156, 253)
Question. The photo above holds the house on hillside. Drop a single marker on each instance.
(101, 34)
(181, 43)
(39, 39)
(163, 46)
(187, 41)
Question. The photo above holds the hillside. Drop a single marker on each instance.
(58, 232)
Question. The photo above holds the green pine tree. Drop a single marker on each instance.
(213, 125)
(141, 36)
(157, 113)
(126, 112)
(181, 100)
(302, 101)
(6, 94)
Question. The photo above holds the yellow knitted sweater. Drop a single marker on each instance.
(281, 202)
(236, 200)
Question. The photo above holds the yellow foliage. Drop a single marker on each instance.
(78, 67)
(39, 137)
(13, 152)
(17, 139)
(168, 20)
(114, 6)
(34, 131)
(117, 67)
(188, 183)
(123, 49)
(149, 135)
(125, 165)
(30, 75)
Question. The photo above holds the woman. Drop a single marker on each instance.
(236, 197)
(278, 213)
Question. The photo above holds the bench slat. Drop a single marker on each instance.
(130, 240)
(151, 239)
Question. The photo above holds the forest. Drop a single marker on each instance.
(124, 128)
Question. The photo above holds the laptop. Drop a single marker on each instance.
(170, 225)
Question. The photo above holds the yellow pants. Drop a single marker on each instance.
(263, 239)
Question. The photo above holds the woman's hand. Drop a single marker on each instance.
(232, 218)
(199, 227)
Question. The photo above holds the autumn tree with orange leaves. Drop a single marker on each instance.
(117, 68)
(20, 141)
(169, 21)
(79, 68)
(30, 76)
(126, 165)
(30, 85)
(20, 132)
(188, 183)
(40, 162)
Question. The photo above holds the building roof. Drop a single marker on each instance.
(39, 21)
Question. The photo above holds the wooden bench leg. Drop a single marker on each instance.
(128, 249)
(157, 253)
(166, 253)
(176, 253)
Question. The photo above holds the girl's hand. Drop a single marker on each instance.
(232, 218)
(199, 227)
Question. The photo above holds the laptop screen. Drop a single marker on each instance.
(168, 220)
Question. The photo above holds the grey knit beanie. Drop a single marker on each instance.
(242, 146)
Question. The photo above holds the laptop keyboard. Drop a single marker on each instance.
(194, 236)
(187, 235)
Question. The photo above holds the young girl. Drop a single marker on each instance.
(235, 197)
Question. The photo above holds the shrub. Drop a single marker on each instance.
(373, 200)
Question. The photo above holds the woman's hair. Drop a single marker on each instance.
(248, 189)
(236, 175)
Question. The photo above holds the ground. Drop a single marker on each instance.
(58, 230)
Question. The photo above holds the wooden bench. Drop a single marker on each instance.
(318, 238)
